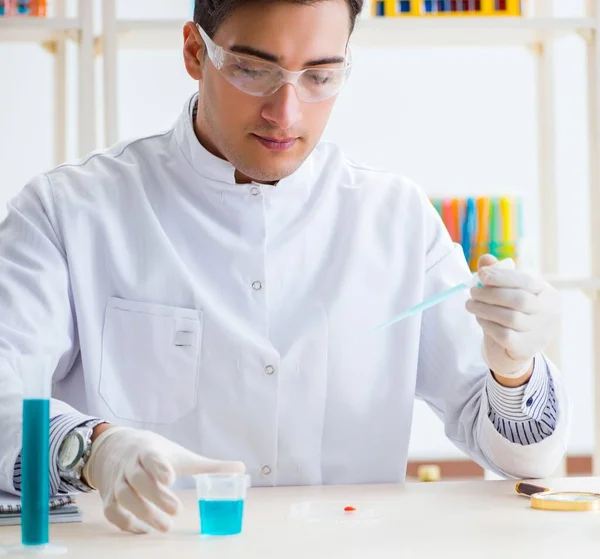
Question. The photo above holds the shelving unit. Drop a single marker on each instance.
(435, 32)
(535, 32)
(52, 33)
(37, 29)
(588, 285)
(391, 33)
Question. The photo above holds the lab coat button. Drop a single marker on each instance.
(269, 370)
(265, 470)
(255, 191)
(257, 286)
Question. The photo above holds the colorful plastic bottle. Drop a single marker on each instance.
(8, 7)
(39, 8)
(23, 7)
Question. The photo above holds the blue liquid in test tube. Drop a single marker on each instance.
(36, 372)
(34, 474)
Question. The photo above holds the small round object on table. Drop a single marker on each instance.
(429, 472)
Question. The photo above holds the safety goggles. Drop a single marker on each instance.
(261, 79)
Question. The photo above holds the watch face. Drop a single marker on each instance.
(70, 451)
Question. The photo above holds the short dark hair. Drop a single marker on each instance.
(211, 14)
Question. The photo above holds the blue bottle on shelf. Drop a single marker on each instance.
(404, 6)
(23, 7)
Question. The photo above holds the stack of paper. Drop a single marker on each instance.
(62, 509)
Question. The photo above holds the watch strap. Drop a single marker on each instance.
(73, 476)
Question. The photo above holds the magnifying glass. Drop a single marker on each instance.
(542, 498)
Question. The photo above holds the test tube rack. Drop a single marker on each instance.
(36, 8)
(446, 8)
(484, 225)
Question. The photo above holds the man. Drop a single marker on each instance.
(208, 292)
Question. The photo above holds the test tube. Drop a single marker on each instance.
(35, 477)
(36, 432)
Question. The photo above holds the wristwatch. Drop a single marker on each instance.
(74, 453)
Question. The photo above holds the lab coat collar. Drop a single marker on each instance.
(216, 169)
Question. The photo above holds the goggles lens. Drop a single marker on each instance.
(261, 79)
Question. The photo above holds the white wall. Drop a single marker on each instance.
(458, 121)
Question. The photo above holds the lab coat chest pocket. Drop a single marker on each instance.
(150, 360)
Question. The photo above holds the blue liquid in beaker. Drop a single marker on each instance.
(221, 518)
(34, 475)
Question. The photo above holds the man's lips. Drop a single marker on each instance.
(276, 144)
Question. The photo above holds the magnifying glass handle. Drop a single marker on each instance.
(528, 489)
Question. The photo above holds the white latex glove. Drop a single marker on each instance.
(518, 312)
(132, 471)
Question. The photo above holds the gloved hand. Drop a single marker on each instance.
(132, 470)
(518, 312)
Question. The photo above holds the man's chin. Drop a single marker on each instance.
(270, 173)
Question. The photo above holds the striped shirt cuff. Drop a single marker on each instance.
(60, 427)
(526, 414)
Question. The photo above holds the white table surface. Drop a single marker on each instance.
(482, 519)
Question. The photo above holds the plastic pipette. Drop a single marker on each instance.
(431, 302)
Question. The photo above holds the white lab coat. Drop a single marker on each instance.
(232, 318)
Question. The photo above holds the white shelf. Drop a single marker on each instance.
(52, 33)
(37, 29)
(574, 284)
(449, 31)
(391, 32)
(151, 34)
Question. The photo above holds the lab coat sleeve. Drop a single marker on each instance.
(60, 427)
(526, 414)
(36, 314)
(452, 375)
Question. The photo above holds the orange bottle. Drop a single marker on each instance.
(39, 8)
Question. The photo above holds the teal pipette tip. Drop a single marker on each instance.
(431, 302)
